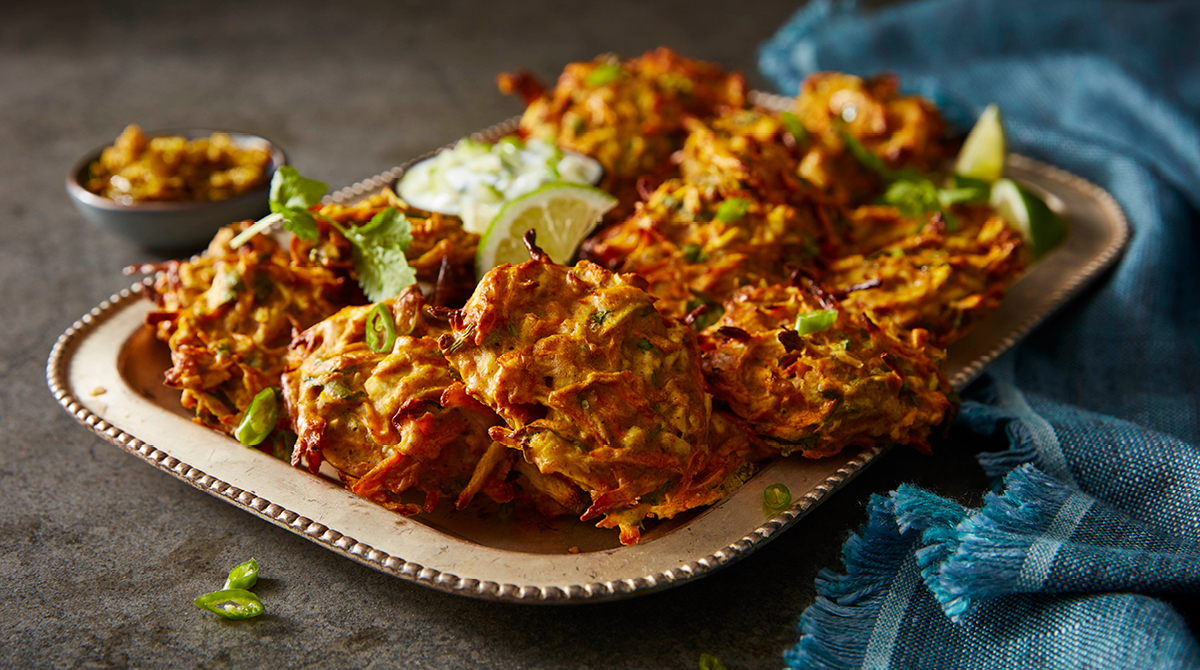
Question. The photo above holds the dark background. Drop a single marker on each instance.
(100, 554)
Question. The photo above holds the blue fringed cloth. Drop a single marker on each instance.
(1097, 513)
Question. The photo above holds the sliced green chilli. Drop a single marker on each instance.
(231, 603)
(259, 419)
(381, 329)
(813, 322)
(243, 576)
(710, 662)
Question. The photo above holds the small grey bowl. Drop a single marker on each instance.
(172, 225)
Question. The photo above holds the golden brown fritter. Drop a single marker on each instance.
(851, 384)
(394, 420)
(935, 280)
(690, 257)
(743, 153)
(596, 387)
(739, 216)
(902, 130)
(228, 317)
(628, 115)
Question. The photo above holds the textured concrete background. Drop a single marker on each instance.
(100, 554)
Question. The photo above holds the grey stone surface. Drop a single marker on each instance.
(100, 554)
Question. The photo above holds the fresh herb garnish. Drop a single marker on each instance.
(378, 246)
(915, 194)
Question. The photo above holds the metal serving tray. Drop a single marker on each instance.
(106, 371)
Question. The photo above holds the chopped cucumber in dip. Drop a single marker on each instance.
(475, 179)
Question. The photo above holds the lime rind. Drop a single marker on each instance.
(543, 210)
(1040, 227)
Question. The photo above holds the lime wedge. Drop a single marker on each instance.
(982, 155)
(1038, 224)
(562, 213)
(477, 216)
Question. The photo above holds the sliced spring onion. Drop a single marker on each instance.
(259, 419)
(603, 74)
(732, 209)
(381, 329)
(243, 576)
(231, 603)
(814, 322)
(777, 497)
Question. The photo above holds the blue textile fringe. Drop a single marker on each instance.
(988, 551)
(836, 629)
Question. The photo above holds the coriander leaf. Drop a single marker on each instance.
(299, 222)
(379, 247)
(912, 197)
(388, 227)
(291, 196)
(289, 190)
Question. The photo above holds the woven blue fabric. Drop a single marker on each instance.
(1100, 403)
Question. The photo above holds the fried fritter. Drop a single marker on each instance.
(936, 280)
(390, 421)
(228, 317)
(851, 384)
(628, 115)
(743, 152)
(902, 130)
(598, 389)
(690, 257)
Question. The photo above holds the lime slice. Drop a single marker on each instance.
(562, 214)
(982, 155)
(1029, 214)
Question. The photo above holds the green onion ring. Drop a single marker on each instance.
(777, 497)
